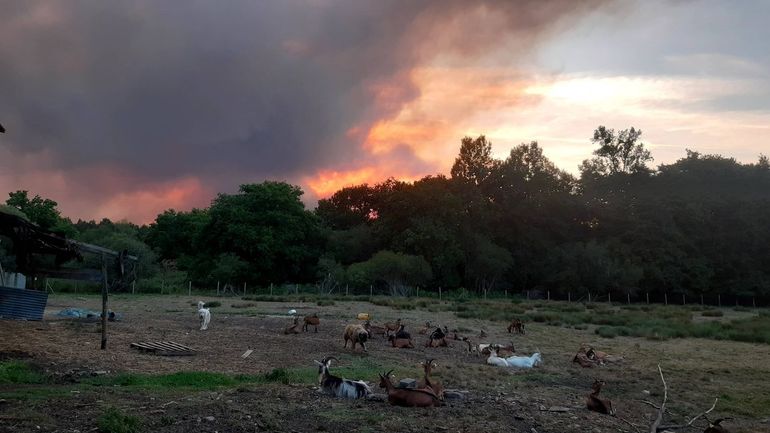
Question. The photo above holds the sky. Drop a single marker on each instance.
(122, 110)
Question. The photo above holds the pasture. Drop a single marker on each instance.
(53, 377)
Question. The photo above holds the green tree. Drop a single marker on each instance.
(41, 211)
(475, 162)
(399, 272)
(618, 152)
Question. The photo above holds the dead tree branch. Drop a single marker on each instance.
(680, 426)
(659, 419)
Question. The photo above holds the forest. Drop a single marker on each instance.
(698, 226)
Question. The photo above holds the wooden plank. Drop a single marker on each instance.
(180, 346)
(247, 353)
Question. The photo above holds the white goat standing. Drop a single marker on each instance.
(204, 315)
(525, 361)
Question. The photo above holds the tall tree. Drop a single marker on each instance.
(618, 152)
(475, 162)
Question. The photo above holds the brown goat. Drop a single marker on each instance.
(408, 397)
(425, 329)
(356, 334)
(375, 329)
(401, 343)
(439, 342)
(427, 382)
(392, 327)
(311, 321)
(516, 325)
(596, 404)
(292, 329)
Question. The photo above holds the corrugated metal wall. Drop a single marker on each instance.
(22, 304)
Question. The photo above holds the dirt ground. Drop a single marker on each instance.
(549, 398)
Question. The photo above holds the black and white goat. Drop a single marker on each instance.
(204, 315)
(337, 386)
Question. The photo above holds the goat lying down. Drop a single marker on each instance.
(515, 361)
(204, 316)
(337, 386)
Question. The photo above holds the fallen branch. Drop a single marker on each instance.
(662, 409)
(676, 427)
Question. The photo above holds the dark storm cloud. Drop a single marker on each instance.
(228, 91)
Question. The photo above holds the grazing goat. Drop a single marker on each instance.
(525, 361)
(425, 329)
(401, 343)
(356, 334)
(311, 321)
(596, 404)
(292, 329)
(427, 382)
(337, 386)
(392, 326)
(204, 316)
(516, 325)
(408, 397)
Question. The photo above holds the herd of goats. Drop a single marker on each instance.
(428, 392)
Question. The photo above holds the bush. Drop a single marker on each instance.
(18, 372)
(712, 313)
(113, 421)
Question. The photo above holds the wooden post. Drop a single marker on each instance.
(628, 298)
(684, 300)
(133, 287)
(346, 290)
(217, 288)
(665, 298)
(609, 297)
(296, 289)
(162, 286)
(701, 298)
(648, 297)
(418, 291)
(244, 288)
(753, 302)
(569, 296)
(589, 297)
(549, 295)
(371, 291)
(271, 289)
(485, 294)
(104, 304)
(528, 295)
(506, 293)
(719, 300)
(439, 293)
(189, 288)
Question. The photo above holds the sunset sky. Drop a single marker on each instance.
(122, 109)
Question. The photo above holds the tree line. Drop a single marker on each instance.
(696, 226)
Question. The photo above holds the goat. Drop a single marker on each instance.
(401, 333)
(356, 334)
(516, 325)
(525, 361)
(424, 329)
(495, 360)
(311, 320)
(408, 397)
(401, 343)
(426, 381)
(484, 349)
(596, 404)
(437, 338)
(337, 386)
(375, 329)
(292, 329)
(204, 316)
(716, 427)
(392, 326)
(482, 334)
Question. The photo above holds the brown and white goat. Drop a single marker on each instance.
(597, 404)
(311, 321)
(392, 327)
(516, 325)
(292, 329)
(400, 343)
(356, 334)
(408, 397)
(427, 382)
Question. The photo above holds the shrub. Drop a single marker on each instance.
(113, 421)
(18, 372)
(712, 313)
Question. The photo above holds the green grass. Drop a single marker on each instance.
(114, 421)
(712, 313)
(19, 372)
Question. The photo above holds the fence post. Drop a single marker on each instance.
(719, 300)
(569, 296)
(162, 286)
(217, 288)
(506, 293)
(589, 297)
(684, 300)
(189, 288)
(346, 290)
(549, 295)
(648, 298)
(753, 302)
(609, 297)
(133, 287)
(244, 288)
(665, 298)
(528, 295)
(418, 291)
(370, 291)
(701, 299)
(296, 289)
(439, 293)
(271, 289)
(628, 298)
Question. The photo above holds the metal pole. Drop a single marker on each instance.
(104, 304)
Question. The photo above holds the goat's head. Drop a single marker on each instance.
(201, 304)
(428, 365)
(537, 358)
(385, 379)
(597, 386)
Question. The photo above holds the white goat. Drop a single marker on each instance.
(525, 361)
(496, 360)
(204, 315)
